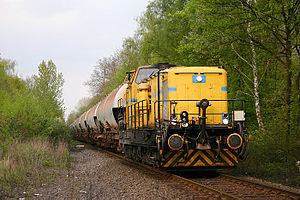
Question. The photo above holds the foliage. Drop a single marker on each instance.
(48, 89)
(32, 126)
(34, 106)
(257, 42)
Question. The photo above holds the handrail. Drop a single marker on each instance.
(159, 103)
(137, 113)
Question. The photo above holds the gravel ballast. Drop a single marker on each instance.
(97, 175)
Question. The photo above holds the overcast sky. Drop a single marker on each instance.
(73, 33)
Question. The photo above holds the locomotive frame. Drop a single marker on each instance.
(153, 118)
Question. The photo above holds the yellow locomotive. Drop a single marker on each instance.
(174, 117)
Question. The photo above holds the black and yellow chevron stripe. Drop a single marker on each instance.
(200, 158)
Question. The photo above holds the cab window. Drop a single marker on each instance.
(145, 73)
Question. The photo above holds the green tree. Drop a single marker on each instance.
(48, 88)
(259, 39)
(160, 32)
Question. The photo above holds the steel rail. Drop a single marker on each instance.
(286, 191)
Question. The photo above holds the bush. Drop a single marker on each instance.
(270, 160)
(27, 162)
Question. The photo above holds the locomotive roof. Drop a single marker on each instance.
(164, 66)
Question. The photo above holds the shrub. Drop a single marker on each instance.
(28, 162)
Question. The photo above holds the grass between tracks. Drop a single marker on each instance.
(29, 162)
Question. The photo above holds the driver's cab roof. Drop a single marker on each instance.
(159, 67)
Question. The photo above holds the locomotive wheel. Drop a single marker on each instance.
(139, 153)
(127, 151)
(134, 153)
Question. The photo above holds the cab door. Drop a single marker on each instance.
(130, 94)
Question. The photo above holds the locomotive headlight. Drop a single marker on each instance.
(225, 121)
(199, 78)
(175, 142)
(225, 118)
(184, 116)
(185, 125)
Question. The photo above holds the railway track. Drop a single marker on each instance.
(220, 187)
(246, 189)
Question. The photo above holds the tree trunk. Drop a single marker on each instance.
(288, 90)
(255, 79)
(256, 85)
